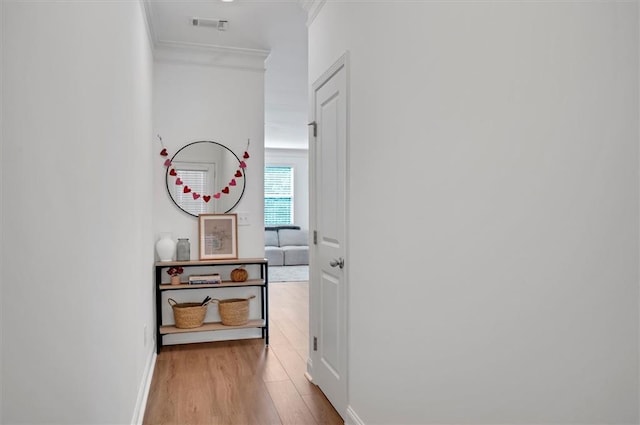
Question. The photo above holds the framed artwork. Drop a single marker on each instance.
(218, 236)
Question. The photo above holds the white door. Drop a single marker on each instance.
(329, 264)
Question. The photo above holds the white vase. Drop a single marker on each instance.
(165, 247)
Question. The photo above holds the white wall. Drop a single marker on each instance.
(299, 160)
(2, 37)
(503, 285)
(76, 177)
(194, 102)
(225, 105)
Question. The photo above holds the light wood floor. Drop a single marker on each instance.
(241, 382)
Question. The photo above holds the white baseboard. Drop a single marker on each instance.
(352, 417)
(143, 389)
(309, 372)
(309, 377)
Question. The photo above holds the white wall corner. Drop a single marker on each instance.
(146, 13)
(144, 388)
(352, 417)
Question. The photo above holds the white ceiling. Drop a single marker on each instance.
(275, 29)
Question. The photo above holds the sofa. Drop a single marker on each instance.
(286, 246)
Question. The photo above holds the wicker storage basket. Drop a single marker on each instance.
(188, 315)
(234, 311)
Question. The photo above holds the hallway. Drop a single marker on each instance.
(241, 382)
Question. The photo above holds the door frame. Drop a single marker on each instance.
(314, 300)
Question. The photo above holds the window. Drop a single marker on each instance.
(278, 195)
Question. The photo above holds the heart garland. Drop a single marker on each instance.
(206, 198)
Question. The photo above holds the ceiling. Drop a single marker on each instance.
(257, 29)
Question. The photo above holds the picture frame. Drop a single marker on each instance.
(218, 236)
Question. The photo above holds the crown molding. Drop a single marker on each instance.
(280, 151)
(226, 50)
(211, 55)
(312, 7)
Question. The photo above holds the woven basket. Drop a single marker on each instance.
(188, 315)
(234, 311)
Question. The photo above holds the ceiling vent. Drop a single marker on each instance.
(219, 24)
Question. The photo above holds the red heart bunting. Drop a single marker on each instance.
(206, 198)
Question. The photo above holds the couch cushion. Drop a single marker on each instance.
(271, 238)
(296, 255)
(293, 237)
(274, 255)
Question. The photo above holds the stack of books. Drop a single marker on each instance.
(205, 279)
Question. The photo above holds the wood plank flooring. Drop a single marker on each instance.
(241, 382)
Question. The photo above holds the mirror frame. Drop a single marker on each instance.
(244, 176)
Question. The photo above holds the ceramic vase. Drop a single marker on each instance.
(165, 247)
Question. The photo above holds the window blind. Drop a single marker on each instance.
(197, 181)
(278, 195)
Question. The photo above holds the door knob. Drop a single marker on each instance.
(337, 263)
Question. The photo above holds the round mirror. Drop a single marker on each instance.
(205, 178)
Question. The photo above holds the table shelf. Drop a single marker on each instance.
(212, 326)
(261, 282)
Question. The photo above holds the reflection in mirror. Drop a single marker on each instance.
(207, 170)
